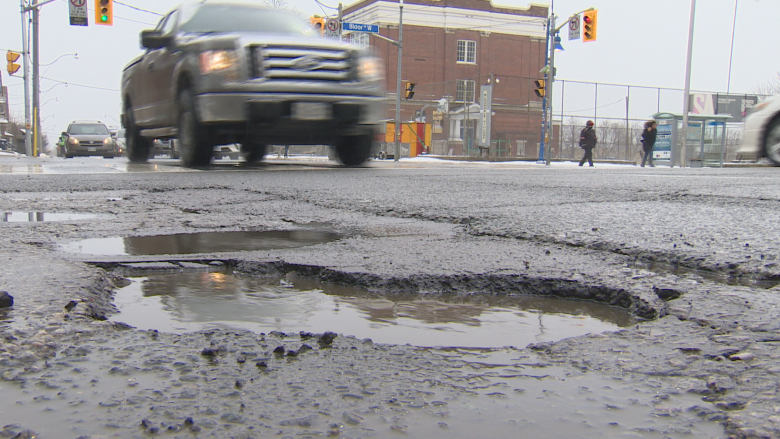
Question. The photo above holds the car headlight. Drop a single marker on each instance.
(370, 69)
(217, 60)
(73, 141)
(107, 141)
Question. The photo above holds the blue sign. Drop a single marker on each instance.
(355, 27)
(663, 143)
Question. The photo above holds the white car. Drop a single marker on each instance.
(761, 137)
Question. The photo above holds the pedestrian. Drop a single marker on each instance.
(286, 151)
(648, 141)
(588, 142)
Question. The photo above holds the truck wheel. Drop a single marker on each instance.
(195, 148)
(175, 150)
(353, 150)
(256, 153)
(138, 147)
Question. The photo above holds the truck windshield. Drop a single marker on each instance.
(217, 18)
(88, 128)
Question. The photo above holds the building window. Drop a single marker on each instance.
(359, 39)
(465, 92)
(467, 51)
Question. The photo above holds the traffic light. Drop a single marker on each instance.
(11, 57)
(409, 88)
(589, 20)
(104, 12)
(318, 23)
(540, 87)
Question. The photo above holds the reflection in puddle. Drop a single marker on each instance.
(194, 301)
(209, 242)
(40, 217)
(22, 169)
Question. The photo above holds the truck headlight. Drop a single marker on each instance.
(217, 60)
(370, 69)
(73, 141)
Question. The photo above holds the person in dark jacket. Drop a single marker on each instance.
(648, 141)
(588, 142)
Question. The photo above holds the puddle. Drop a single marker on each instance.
(41, 217)
(743, 281)
(208, 242)
(22, 169)
(186, 302)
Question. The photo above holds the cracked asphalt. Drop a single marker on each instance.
(693, 252)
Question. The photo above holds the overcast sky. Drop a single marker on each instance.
(640, 42)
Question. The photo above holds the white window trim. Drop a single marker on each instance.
(466, 90)
(466, 52)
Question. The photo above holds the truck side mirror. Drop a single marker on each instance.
(153, 39)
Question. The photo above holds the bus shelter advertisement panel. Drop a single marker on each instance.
(663, 143)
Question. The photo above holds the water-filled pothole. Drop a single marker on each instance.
(745, 280)
(206, 242)
(185, 302)
(40, 217)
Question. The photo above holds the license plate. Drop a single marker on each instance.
(311, 111)
(91, 149)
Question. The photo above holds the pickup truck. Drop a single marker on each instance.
(217, 73)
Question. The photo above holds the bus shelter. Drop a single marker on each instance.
(704, 147)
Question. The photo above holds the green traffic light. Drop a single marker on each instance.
(103, 18)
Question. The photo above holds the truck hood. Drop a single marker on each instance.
(240, 40)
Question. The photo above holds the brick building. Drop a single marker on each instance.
(450, 49)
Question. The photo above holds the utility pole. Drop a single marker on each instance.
(397, 154)
(340, 18)
(684, 148)
(26, 66)
(36, 71)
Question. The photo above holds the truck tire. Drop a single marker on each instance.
(256, 152)
(138, 147)
(353, 150)
(175, 150)
(195, 147)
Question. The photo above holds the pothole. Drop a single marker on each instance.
(40, 217)
(206, 242)
(191, 301)
(721, 278)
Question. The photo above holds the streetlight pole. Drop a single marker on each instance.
(397, 154)
(684, 148)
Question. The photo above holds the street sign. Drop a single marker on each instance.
(574, 28)
(332, 27)
(78, 12)
(356, 27)
(486, 108)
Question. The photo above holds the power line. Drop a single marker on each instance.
(80, 85)
(138, 9)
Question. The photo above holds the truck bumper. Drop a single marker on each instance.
(253, 107)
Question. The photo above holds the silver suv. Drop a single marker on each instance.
(218, 73)
(88, 137)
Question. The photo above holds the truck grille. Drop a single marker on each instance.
(302, 63)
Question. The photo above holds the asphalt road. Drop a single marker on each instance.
(692, 251)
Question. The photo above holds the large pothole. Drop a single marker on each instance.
(191, 301)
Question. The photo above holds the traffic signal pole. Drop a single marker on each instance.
(397, 153)
(26, 69)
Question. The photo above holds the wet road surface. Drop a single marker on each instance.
(701, 362)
